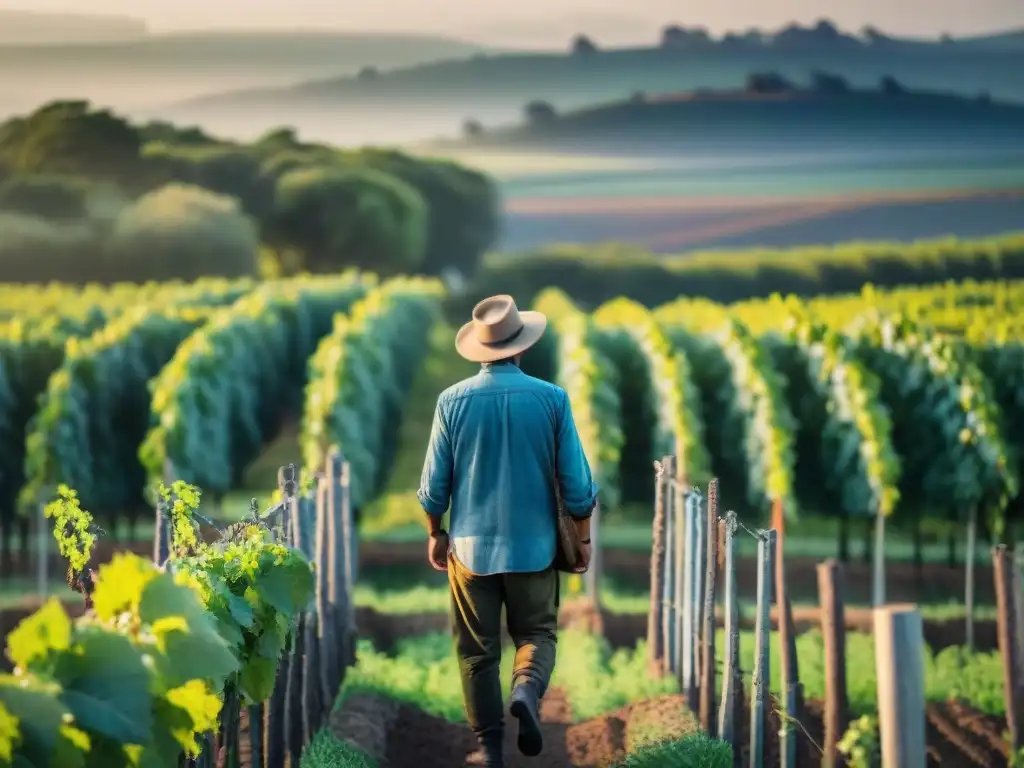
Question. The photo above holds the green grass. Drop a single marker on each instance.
(328, 751)
(423, 672)
(697, 750)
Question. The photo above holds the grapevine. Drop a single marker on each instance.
(73, 529)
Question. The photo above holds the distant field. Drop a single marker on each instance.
(751, 198)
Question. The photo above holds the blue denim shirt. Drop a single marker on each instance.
(492, 455)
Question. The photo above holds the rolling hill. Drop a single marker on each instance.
(155, 69)
(419, 102)
(799, 117)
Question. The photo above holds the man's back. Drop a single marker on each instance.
(493, 451)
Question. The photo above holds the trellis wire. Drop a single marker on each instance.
(680, 585)
(321, 525)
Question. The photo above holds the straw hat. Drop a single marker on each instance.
(499, 330)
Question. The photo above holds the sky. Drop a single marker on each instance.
(551, 21)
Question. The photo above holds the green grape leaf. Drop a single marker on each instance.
(241, 611)
(40, 714)
(286, 587)
(257, 678)
(46, 631)
(107, 687)
(195, 656)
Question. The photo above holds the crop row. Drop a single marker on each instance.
(890, 403)
(195, 385)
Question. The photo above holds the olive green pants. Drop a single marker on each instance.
(531, 602)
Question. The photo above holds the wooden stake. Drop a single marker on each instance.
(679, 509)
(878, 575)
(655, 652)
(707, 653)
(787, 645)
(833, 630)
(668, 616)
(726, 708)
(1009, 646)
(689, 669)
(759, 691)
(969, 557)
(899, 667)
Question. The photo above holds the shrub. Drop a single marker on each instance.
(184, 232)
(695, 751)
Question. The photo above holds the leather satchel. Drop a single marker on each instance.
(568, 549)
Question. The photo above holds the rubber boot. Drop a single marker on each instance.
(490, 755)
(524, 706)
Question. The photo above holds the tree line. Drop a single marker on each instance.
(87, 195)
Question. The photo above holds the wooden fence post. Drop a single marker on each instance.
(327, 635)
(698, 594)
(1009, 646)
(348, 544)
(833, 630)
(42, 551)
(689, 673)
(680, 504)
(655, 656)
(1018, 602)
(899, 667)
(707, 653)
(727, 707)
(761, 678)
(970, 555)
(878, 570)
(668, 616)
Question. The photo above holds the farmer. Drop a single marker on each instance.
(500, 440)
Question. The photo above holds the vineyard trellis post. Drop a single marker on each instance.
(970, 555)
(700, 557)
(346, 570)
(162, 521)
(791, 696)
(680, 502)
(1009, 646)
(1018, 601)
(655, 654)
(690, 523)
(899, 668)
(43, 536)
(878, 571)
(668, 614)
(707, 653)
(762, 656)
(730, 673)
(833, 629)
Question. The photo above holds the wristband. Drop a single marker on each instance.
(584, 541)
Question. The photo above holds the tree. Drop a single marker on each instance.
(890, 86)
(349, 217)
(69, 137)
(539, 112)
(583, 46)
(874, 36)
(183, 232)
(674, 36)
(464, 209)
(368, 73)
(767, 83)
(472, 129)
(46, 196)
(826, 83)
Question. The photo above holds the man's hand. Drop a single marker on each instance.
(586, 550)
(437, 551)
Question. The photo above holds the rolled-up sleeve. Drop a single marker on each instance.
(575, 481)
(435, 489)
